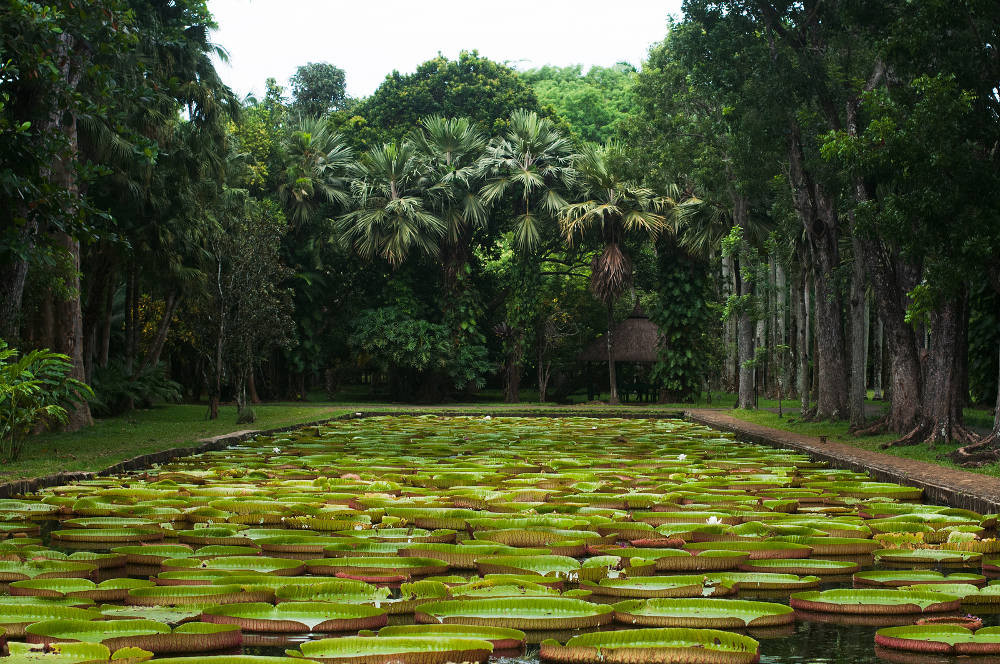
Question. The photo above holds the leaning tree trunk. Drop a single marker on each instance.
(152, 357)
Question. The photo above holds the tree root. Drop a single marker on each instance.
(985, 451)
(881, 425)
(929, 432)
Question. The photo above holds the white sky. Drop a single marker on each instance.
(369, 39)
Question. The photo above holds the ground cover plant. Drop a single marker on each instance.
(430, 539)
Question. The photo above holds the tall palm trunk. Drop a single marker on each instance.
(613, 398)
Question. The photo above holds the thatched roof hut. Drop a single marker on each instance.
(636, 339)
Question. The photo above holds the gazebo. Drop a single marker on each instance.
(636, 341)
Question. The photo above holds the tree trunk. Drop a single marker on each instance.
(831, 361)
(729, 325)
(12, 278)
(781, 333)
(104, 348)
(744, 346)
(252, 386)
(941, 418)
(69, 320)
(877, 368)
(858, 330)
(152, 357)
(804, 347)
(817, 211)
(613, 397)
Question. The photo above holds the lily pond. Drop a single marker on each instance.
(426, 540)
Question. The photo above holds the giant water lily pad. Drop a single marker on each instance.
(393, 649)
(661, 586)
(533, 613)
(15, 617)
(138, 633)
(44, 569)
(262, 564)
(340, 590)
(105, 591)
(73, 653)
(502, 638)
(803, 567)
(940, 639)
(927, 556)
(894, 578)
(654, 646)
(180, 595)
(874, 601)
(714, 613)
(377, 568)
(297, 617)
(557, 566)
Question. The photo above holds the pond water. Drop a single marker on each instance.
(383, 494)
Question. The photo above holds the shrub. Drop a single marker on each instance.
(34, 388)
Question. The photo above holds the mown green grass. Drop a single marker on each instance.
(837, 431)
(116, 439)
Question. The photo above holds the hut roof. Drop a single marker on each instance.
(636, 339)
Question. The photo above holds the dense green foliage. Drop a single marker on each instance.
(35, 389)
(594, 106)
(802, 196)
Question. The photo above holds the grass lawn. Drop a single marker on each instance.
(141, 432)
(113, 440)
(837, 431)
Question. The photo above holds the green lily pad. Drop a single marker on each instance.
(502, 638)
(533, 613)
(874, 601)
(297, 617)
(390, 649)
(653, 645)
(695, 612)
(138, 633)
(660, 586)
(940, 639)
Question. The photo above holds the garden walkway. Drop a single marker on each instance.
(946, 486)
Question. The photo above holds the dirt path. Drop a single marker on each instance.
(947, 486)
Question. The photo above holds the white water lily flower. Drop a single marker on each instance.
(487, 418)
(276, 450)
(358, 413)
(713, 521)
(681, 457)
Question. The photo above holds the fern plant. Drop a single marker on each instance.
(35, 387)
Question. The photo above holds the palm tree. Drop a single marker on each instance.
(534, 160)
(612, 210)
(318, 164)
(390, 219)
(449, 152)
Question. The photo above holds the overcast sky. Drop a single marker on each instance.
(369, 39)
